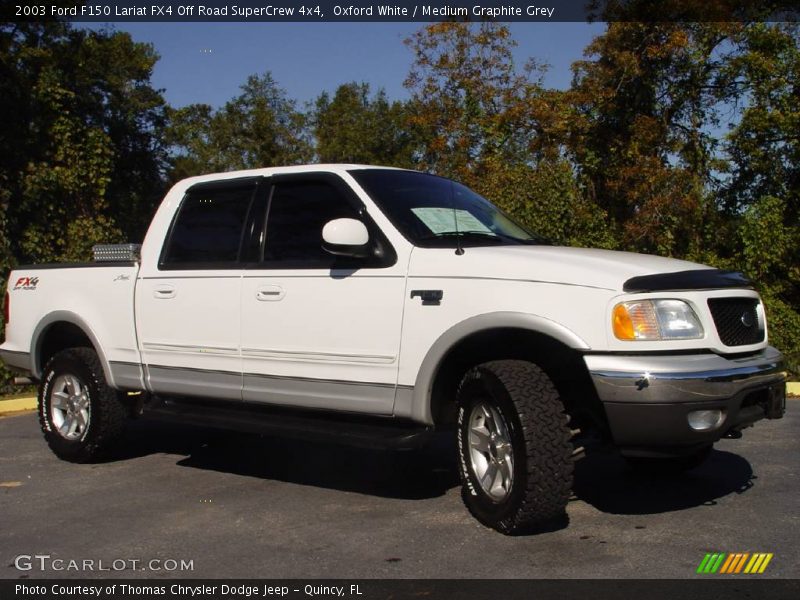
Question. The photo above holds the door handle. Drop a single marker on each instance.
(164, 292)
(270, 293)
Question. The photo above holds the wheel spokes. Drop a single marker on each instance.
(480, 439)
(67, 427)
(489, 477)
(505, 466)
(59, 400)
(82, 418)
(488, 419)
(70, 407)
(490, 451)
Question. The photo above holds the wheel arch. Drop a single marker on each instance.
(58, 331)
(556, 348)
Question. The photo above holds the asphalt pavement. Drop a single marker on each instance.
(230, 505)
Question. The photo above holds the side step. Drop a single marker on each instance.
(315, 425)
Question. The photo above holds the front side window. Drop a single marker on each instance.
(432, 211)
(297, 213)
(208, 229)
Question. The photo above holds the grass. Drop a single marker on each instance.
(17, 396)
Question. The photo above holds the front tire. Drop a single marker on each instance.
(515, 454)
(80, 415)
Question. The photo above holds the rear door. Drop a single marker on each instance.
(320, 331)
(188, 307)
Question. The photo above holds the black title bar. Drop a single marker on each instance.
(316, 11)
(716, 588)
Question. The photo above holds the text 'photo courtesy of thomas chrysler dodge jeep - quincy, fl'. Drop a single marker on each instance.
(376, 306)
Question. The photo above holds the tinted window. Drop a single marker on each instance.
(208, 229)
(297, 213)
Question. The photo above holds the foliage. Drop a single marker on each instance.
(769, 256)
(353, 127)
(498, 130)
(468, 103)
(82, 159)
(547, 200)
(645, 103)
(259, 128)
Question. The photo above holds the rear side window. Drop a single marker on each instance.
(297, 213)
(207, 231)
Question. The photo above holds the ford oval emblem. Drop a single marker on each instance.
(746, 319)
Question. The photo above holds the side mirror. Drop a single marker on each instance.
(346, 237)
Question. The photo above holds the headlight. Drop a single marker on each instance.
(649, 320)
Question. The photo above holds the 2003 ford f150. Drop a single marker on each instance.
(374, 306)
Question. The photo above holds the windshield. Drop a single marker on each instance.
(432, 211)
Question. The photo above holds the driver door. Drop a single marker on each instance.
(318, 332)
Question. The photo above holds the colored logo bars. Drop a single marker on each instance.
(736, 562)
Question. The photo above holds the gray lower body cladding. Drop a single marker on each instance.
(19, 361)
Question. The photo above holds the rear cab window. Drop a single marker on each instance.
(209, 228)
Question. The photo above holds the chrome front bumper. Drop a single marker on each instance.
(648, 398)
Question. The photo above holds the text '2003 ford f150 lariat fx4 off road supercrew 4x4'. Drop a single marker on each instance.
(376, 305)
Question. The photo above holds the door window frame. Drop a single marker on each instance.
(386, 259)
(256, 183)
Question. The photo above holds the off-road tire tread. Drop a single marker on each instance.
(109, 411)
(548, 445)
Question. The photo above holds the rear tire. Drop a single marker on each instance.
(515, 454)
(80, 415)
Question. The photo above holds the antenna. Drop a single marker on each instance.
(459, 249)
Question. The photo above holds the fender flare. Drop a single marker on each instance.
(423, 386)
(65, 316)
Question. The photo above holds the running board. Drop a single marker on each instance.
(318, 426)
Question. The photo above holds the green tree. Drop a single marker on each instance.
(85, 134)
(764, 167)
(259, 128)
(81, 152)
(469, 103)
(477, 118)
(354, 127)
(650, 104)
(646, 101)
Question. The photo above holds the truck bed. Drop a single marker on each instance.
(98, 297)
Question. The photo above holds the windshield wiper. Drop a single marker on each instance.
(459, 234)
(475, 236)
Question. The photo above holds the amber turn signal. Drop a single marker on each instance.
(623, 324)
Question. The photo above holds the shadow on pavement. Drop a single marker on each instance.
(606, 482)
(427, 473)
(603, 480)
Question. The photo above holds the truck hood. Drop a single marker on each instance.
(588, 267)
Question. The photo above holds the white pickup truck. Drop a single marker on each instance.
(374, 306)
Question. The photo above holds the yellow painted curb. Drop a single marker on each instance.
(17, 405)
(793, 387)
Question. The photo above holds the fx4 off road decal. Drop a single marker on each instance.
(26, 283)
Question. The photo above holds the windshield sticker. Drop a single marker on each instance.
(441, 220)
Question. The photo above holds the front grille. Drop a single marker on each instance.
(736, 320)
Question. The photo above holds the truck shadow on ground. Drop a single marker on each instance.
(605, 481)
(602, 480)
(404, 475)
